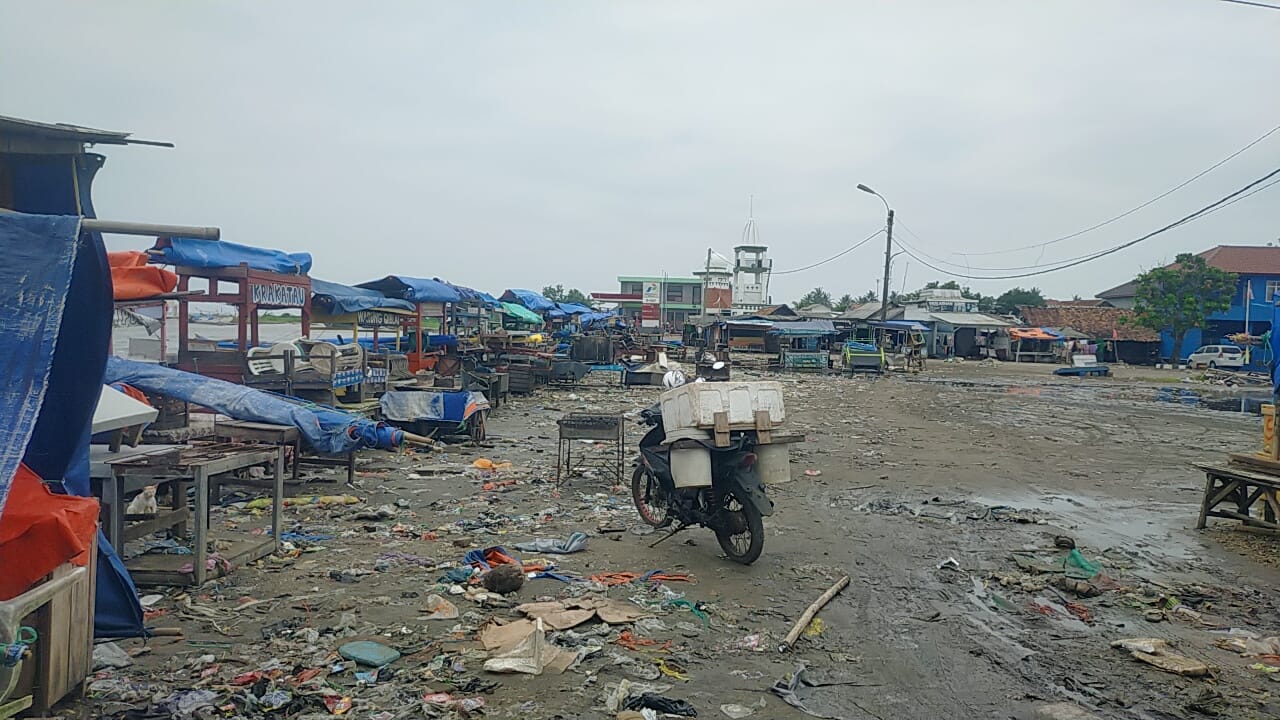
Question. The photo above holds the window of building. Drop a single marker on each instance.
(632, 288)
(675, 293)
(1273, 289)
(697, 294)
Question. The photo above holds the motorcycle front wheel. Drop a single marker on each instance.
(650, 500)
(739, 528)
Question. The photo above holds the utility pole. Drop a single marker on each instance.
(888, 258)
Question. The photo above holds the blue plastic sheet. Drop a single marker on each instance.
(34, 279)
(418, 290)
(1275, 350)
(55, 335)
(804, 328)
(528, 299)
(431, 405)
(188, 252)
(336, 299)
(326, 430)
(573, 308)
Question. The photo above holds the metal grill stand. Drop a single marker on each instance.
(605, 430)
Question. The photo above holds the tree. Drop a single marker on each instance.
(557, 293)
(845, 302)
(867, 297)
(575, 296)
(1014, 298)
(948, 285)
(816, 296)
(1181, 296)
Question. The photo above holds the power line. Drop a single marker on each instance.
(971, 268)
(1063, 265)
(1254, 4)
(1131, 211)
(838, 255)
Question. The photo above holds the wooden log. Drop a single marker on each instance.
(810, 612)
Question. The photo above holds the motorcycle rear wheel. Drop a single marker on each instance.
(741, 529)
(650, 500)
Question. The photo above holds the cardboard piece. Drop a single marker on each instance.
(531, 655)
(565, 614)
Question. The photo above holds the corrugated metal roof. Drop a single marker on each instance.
(973, 320)
(75, 133)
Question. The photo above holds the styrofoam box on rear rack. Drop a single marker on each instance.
(693, 407)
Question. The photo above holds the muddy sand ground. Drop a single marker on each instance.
(928, 486)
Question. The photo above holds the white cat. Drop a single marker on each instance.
(144, 503)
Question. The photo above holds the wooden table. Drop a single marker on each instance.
(1243, 487)
(197, 464)
(284, 435)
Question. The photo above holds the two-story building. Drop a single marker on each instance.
(956, 328)
(1258, 268)
(678, 298)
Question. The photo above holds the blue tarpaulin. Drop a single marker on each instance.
(187, 252)
(418, 290)
(573, 308)
(431, 405)
(528, 299)
(325, 430)
(57, 331)
(34, 279)
(1275, 350)
(335, 299)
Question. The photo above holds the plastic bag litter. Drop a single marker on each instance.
(440, 609)
(574, 543)
(1157, 653)
(737, 712)
(109, 655)
(662, 704)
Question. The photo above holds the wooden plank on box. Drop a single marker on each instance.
(764, 427)
(721, 428)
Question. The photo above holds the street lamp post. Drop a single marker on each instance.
(888, 252)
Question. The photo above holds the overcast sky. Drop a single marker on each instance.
(519, 144)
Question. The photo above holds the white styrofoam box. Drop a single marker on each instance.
(773, 462)
(694, 406)
(691, 467)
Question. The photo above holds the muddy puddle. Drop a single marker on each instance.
(1249, 403)
(1155, 530)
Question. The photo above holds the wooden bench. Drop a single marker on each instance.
(1244, 488)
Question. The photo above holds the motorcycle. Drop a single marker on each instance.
(733, 506)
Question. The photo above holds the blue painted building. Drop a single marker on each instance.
(1258, 268)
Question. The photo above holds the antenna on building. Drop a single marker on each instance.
(750, 233)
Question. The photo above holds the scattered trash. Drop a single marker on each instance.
(815, 628)
(949, 563)
(797, 684)
(662, 704)
(1157, 653)
(813, 473)
(1261, 667)
(369, 653)
(565, 614)
(574, 543)
(109, 655)
(1075, 559)
(530, 653)
(740, 711)
(440, 609)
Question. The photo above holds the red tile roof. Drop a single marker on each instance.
(1240, 259)
(1244, 259)
(1075, 303)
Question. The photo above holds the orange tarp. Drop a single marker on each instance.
(1031, 334)
(39, 531)
(133, 279)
